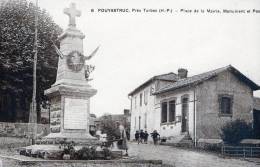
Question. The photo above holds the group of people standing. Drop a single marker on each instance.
(142, 136)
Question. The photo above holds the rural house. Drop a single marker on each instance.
(142, 109)
(197, 106)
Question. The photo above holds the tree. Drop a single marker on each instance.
(16, 50)
(108, 127)
(233, 132)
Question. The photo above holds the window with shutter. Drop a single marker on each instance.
(164, 112)
(172, 111)
(141, 99)
(225, 105)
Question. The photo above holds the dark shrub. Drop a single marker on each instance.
(233, 132)
(213, 147)
(107, 153)
(68, 148)
(87, 153)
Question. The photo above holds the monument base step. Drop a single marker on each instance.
(22, 161)
(56, 152)
(77, 138)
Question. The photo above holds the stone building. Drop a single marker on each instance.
(197, 106)
(143, 115)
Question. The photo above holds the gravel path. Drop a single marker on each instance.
(184, 158)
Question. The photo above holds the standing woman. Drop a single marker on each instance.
(122, 142)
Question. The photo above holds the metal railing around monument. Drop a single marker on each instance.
(240, 151)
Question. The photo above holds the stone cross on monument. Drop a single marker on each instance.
(72, 12)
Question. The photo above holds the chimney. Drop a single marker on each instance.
(126, 112)
(182, 73)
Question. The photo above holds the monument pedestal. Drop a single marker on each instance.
(69, 114)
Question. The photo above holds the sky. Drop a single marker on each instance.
(135, 46)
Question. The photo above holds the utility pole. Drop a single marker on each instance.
(33, 114)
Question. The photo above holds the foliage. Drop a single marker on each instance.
(87, 153)
(107, 153)
(91, 153)
(68, 148)
(17, 31)
(108, 127)
(233, 132)
(213, 147)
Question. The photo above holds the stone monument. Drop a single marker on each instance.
(70, 95)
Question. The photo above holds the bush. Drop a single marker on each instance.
(107, 153)
(87, 153)
(109, 127)
(233, 132)
(68, 148)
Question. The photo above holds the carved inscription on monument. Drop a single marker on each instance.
(55, 120)
(75, 113)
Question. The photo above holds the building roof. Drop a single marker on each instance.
(172, 77)
(257, 103)
(196, 79)
(92, 115)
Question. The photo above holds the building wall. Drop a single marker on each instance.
(209, 121)
(174, 128)
(145, 112)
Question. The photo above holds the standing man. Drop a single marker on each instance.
(145, 137)
(137, 136)
(156, 136)
(142, 135)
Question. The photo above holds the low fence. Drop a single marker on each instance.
(240, 151)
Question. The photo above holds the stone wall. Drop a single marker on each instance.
(14, 142)
(209, 121)
(19, 129)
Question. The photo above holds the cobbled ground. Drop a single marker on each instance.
(185, 158)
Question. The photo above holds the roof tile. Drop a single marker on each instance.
(202, 77)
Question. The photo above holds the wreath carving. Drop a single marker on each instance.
(75, 61)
